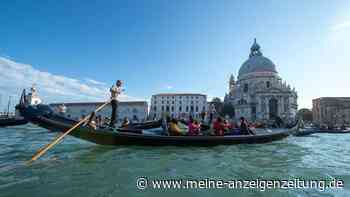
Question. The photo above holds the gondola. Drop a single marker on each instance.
(12, 121)
(43, 116)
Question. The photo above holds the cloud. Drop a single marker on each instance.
(16, 76)
(94, 82)
(341, 26)
(168, 87)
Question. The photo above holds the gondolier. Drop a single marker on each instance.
(115, 92)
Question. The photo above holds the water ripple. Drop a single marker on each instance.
(77, 168)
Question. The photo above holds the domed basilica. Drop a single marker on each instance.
(259, 94)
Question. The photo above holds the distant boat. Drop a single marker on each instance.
(312, 130)
(8, 119)
(334, 131)
(12, 121)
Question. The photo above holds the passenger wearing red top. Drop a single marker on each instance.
(218, 127)
(193, 127)
(196, 127)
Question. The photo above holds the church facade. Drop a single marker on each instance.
(258, 93)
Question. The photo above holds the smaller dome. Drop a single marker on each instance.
(255, 46)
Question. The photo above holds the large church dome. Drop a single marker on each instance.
(256, 62)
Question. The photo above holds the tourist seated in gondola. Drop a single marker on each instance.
(174, 129)
(193, 127)
(91, 122)
(227, 126)
(203, 115)
(259, 125)
(165, 124)
(125, 122)
(105, 122)
(98, 120)
(244, 127)
(198, 127)
(218, 127)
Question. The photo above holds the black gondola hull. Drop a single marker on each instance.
(53, 122)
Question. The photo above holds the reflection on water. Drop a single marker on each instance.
(77, 168)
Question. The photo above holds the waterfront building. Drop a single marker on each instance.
(178, 105)
(259, 94)
(136, 111)
(331, 111)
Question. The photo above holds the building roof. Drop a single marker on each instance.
(100, 103)
(257, 62)
(179, 94)
(333, 98)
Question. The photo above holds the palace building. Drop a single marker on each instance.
(331, 111)
(259, 94)
(136, 111)
(178, 105)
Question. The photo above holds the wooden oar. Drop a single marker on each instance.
(60, 137)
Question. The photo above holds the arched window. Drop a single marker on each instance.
(245, 89)
(268, 84)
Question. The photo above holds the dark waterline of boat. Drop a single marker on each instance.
(78, 168)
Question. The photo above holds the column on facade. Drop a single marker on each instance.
(282, 106)
(267, 111)
(258, 109)
(287, 111)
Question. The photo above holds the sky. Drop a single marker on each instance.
(75, 50)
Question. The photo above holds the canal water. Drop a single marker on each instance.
(78, 168)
